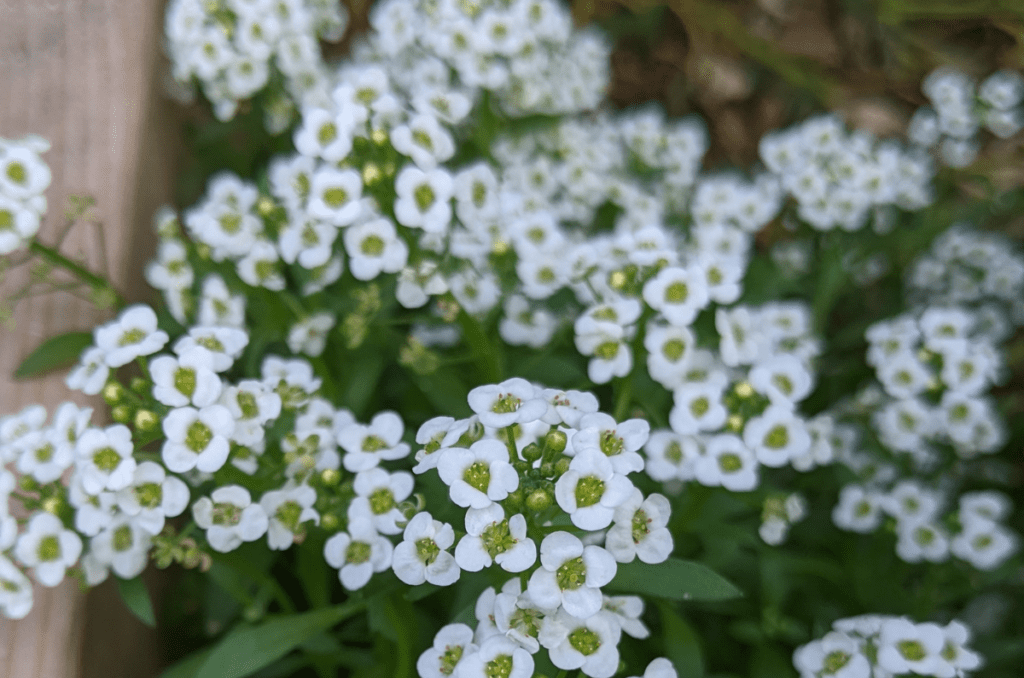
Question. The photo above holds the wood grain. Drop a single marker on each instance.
(84, 74)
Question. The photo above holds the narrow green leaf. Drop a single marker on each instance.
(187, 667)
(136, 598)
(682, 647)
(675, 580)
(53, 353)
(248, 649)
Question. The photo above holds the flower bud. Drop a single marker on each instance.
(555, 441)
(140, 385)
(514, 502)
(122, 414)
(146, 420)
(113, 392)
(330, 477)
(539, 500)
(329, 522)
(532, 452)
(562, 465)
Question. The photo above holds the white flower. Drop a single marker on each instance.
(104, 458)
(697, 407)
(357, 554)
(44, 455)
(48, 548)
(660, 668)
(91, 374)
(727, 462)
(955, 651)
(589, 644)
(415, 285)
(197, 438)
(292, 379)
(903, 375)
(678, 293)
(497, 656)
(217, 306)
(225, 344)
(513, 401)
(522, 325)
(985, 544)
(15, 591)
(669, 349)
(187, 379)
(133, 334)
(491, 538)
(783, 378)
(452, 644)
(858, 510)
(287, 510)
(424, 199)
(377, 495)
(230, 517)
(374, 247)
(571, 575)
(334, 196)
(671, 456)
(367, 445)
(123, 546)
(152, 497)
(478, 476)
(324, 134)
(423, 554)
(836, 655)
(617, 441)
(606, 342)
(591, 490)
(918, 540)
(438, 434)
(23, 174)
(568, 407)
(18, 224)
(905, 647)
(424, 140)
(309, 335)
(477, 292)
(777, 436)
(640, 529)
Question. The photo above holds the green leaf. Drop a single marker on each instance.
(675, 580)
(682, 647)
(53, 353)
(136, 598)
(248, 649)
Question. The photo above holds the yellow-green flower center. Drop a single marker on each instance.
(499, 667)
(185, 381)
(729, 462)
(585, 641)
(478, 476)
(198, 436)
(427, 550)
(382, 500)
(123, 539)
(327, 133)
(106, 459)
(149, 495)
(640, 526)
(372, 245)
(912, 650)
(777, 438)
(357, 552)
(424, 196)
(335, 197)
(572, 574)
(673, 349)
(48, 549)
(17, 173)
(589, 491)
(132, 336)
(677, 293)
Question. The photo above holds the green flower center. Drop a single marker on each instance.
(479, 194)
(959, 412)
(499, 667)
(6, 220)
(424, 196)
(301, 184)
(185, 381)
(48, 549)
(572, 574)
(427, 550)
(730, 463)
(863, 508)
(309, 236)
(16, 172)
(357, 552)
(589, 491)
(585, 641)
(450, 658)
(677, 293)
(106, 459)
(149, 495)
(527, 620)
(783, 383)
(605, 313)
(674, 452)
(335, 197)
(132, 336)
(478, 476)
(607, 350)
(247, 404)
(44, 453)
(288, 514)
(949, 652)
(372, 443)
(422, 139)
(912, 650)
(924, 536)
(699, 406)
(230, 223)
(640, 526)
(611, 444)
(546, 275)
(327, 133)
(982, 542)
(198, 437)
(123, 539)
(366, 95)
(9, 586)
(777, 438)
(673, 349)
(372, 245)
(264, 269)
(506, 404)
(382, 500)
(497, 538)
(225, 513)
(834, 661)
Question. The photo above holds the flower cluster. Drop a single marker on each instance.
(875, 645)
(23, 178)
(959, 108)
(778, 514)
(235, 49)
(842, 179)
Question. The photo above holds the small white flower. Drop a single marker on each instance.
(187, 379)
(920, 540)
(727, 462)
(424, 140)
(776, 436)
(423, 554)
(374, 247)
(591, 490)
(698, 407)
(452, 644)
(678, 293)
(424, 199)
(324, 135)
(197, 438)
(91, 374)
(571, 575)
(218, 307)
(104, 458)
(513, 401)
(955, 650)
(438, 434)
(287, 510)
(15, 591)
(377, 495)
(309, 335)
(357, 554)
(568, 407)
(836, 655)
(640, 529)
(905, 647)
(123, 546)
(671, 456)
(44, 455)
(48, 548)
(783, 378)
(152, 497)
(367, 445)
(619, 442)
(478, 476)
(985, 544)
(132, 335)
(589, 644)
(498, 656)
(491, 538)
(334, 196)
(230, 517)
(225, 344)
(858, 510)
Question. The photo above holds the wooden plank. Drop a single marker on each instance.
(84, 74)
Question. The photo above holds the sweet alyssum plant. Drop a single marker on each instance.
(597, 366)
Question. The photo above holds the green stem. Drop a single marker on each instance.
(510, 442)
(57, 259)
(623, 389)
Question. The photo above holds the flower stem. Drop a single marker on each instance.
(55, 258)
